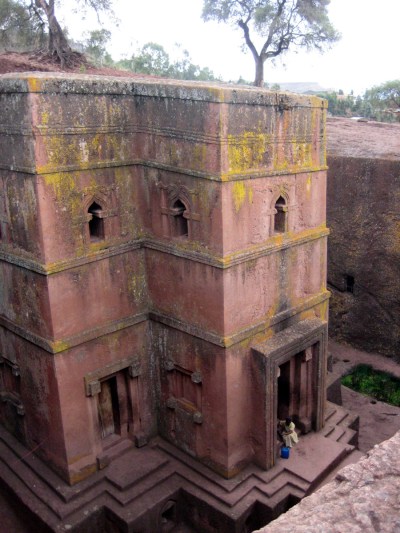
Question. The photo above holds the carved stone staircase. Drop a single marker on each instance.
(158, 488)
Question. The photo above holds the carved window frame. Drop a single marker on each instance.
(105, 213)
(185, 404)
(93, 379)
(284, 208)
(170, 195)
(11, 396)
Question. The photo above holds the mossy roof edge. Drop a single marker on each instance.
(65, 83)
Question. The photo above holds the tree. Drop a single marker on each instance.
(43, 12)
(18, 30)
(184, 69)
(153, 59)
(95, 47)
(385, 99)
(280, 24)
(340, 104)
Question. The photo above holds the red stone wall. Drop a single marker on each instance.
(81, 432)
(187, 274)
(364, 244)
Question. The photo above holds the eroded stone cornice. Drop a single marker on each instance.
(56, 346)
(202, 91)
(59, 266)
(211, 176)
(273, 245)
(246, 333)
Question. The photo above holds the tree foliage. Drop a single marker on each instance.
(19, 30)
(341, 105)
(153, 59)
(385, 99)
(281, 24)
(95, 46)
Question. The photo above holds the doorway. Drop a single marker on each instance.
(291, 369)
(295, 392)
(284, 393)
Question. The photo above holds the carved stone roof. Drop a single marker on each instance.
(367, 140)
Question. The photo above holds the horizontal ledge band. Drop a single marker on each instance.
(61, 345)
(222, 177)
(172, 248)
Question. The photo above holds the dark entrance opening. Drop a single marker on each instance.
(349, 283)
(284, 391)
(168, 519)
(295, 393)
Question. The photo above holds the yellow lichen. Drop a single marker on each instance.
(246, 151)
(137, 285)
(34, 85)
(239, 194)
(60, 346)
(250, 194)
(308, 185)
(199, 155)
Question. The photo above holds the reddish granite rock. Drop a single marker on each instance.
(363, 498)
(364, 244)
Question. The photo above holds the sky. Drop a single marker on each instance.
(365, 56)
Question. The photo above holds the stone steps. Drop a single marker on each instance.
(139, 479)
(285, 479)
(41, 471)
(118, 449)
(340, 425)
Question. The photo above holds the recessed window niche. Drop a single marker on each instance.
(349, 281)
(177, 211)
(280, 217)
(180, 223)
(96, 223)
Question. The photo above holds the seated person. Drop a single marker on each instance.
(286, 430)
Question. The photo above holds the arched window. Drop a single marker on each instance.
(180, 223)
(96, 223)
(280, 217)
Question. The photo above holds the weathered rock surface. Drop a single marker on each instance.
(364, 497)
(367, 140)
(364, 245)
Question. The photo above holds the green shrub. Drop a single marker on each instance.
(380, 385)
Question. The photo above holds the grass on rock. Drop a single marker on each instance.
(379, 385)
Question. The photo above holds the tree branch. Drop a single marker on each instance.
(273, 26)
(249, 42)
(247, 8)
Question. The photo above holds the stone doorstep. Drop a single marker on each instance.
(120, 446)
(130, 469)
(140, 478)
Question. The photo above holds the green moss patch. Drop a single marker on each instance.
(379, 385)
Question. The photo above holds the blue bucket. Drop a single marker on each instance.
(285, 452)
